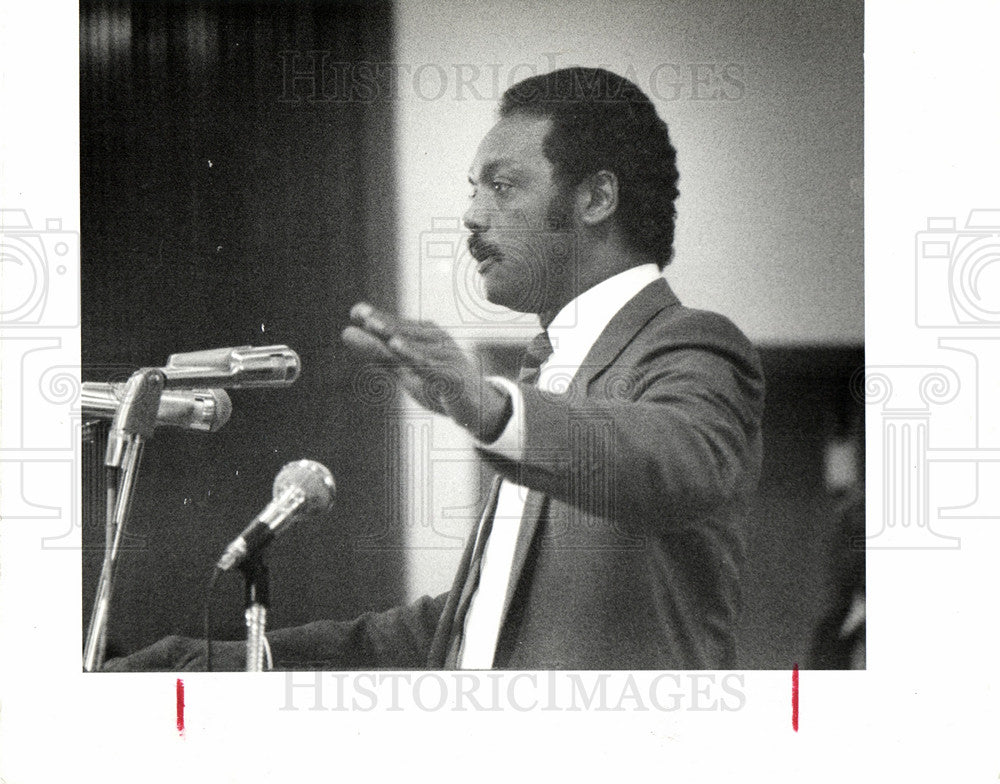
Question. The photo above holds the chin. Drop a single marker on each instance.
(520, 293)
(513, 297)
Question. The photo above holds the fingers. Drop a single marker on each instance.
(428, 362)
(382, 336)
(385, 326)
(395, 350)
(371, 320)
(367, 344)
(413, 353)
(375, 350)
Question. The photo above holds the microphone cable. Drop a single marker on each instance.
(209, 589)
(208, 617)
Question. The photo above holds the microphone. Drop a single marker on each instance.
(301, 489)
(205, 410)
(242, 367)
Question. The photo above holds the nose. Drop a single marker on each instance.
(476, 218)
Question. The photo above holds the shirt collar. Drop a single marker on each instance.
(576, 327)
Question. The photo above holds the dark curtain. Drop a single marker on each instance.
(229, 201)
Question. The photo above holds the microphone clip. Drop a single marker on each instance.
(135, 418)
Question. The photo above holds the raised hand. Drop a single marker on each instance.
(431, 367)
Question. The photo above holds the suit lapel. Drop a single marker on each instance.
(535, 507)
(443, 652)
(622, 328)
(611, 342)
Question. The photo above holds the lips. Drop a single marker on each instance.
(480, 250)
(485, 264)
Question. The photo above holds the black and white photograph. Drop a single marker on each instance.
(672, 492)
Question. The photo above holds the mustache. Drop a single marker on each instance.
(480, 249)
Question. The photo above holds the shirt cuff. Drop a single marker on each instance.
(509, 443)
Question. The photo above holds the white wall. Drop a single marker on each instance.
(764, 103)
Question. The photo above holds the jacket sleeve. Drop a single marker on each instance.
(398, 638)
(669, 432)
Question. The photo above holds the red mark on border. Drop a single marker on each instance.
(180, 707)
(795, 697)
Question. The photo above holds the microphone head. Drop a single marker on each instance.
(266, 366)
(217, 407)
(313, 479)
(240, 367)
(201, 410)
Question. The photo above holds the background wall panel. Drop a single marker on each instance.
(220, 208)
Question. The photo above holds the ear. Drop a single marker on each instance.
(597, 197)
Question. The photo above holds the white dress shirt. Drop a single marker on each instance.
(572, 333)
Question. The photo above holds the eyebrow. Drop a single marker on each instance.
(490, 169)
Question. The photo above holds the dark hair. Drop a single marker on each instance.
(603, 121)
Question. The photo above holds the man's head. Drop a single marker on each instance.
(578, 163)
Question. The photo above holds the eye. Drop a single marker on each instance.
(500, 186)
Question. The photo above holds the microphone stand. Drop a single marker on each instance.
(257, 599)
(131, 427)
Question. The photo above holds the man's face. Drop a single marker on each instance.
(522, 224)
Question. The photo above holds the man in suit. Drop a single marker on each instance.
(625, 453)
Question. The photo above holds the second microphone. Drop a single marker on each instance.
(301, 489)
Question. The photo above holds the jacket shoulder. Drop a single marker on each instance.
(682, 327)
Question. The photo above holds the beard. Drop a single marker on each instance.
(535, 270)
(559, 214)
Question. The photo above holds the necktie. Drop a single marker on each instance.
(539, 350)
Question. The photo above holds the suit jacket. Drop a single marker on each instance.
(632, 539)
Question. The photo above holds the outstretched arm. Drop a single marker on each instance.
(398, 638)
(670, 432)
